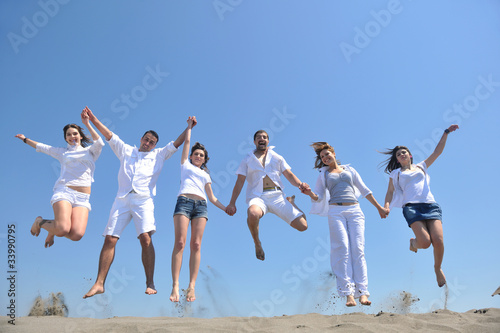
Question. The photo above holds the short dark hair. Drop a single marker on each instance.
(258, 132)
(153, 133)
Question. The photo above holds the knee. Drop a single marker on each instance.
(300, 224)
(195, 246)
(146, 242)
(179, 245)
(424, 244)
(437, 242)
(62, 228)
(302, 227)
(76, 236)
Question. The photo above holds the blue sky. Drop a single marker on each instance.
(362, 76)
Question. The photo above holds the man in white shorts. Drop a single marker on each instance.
(262, 169)
(139, 171)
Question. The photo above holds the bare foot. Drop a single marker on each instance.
(350, 301)
(151, 290)
(441, 279)
(363, 299)
(412, 246)
(190, 296)
(49, 241)
(35, 228)
(95, 290)
(259, 252)
(291, 199)
(174, 295)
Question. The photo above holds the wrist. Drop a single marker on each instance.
(24, 140)
(446, 131)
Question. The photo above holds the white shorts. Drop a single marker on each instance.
(140, 208)
(75, 198)
(276, 203)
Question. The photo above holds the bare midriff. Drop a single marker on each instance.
(82, 189)
(267, 182)
(191, 196)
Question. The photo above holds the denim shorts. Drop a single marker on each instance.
(191, 208)
(422, 211)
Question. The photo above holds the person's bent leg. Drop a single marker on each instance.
(435, 228)
(105, 260)
(79, 219)
(422, 238)
(197, 229)
(60, 226)
(181, 224)
(255, 213)
(148, 261)
(299, 223)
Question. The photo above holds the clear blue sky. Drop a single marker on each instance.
(362, 76)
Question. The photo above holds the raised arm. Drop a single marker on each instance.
(29, 142)
(86, 122)
(178, 142)
(97, 123)
(231, 208)
(187, 140)
(212, 198)
(440, 146)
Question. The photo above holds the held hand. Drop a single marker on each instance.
(85, 117)
(20, 136)
(89, 113)
(192, 121)
(384, 212)
(304, 188)
(453, 128)
(230, 209)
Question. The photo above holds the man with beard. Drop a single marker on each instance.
(263, 168)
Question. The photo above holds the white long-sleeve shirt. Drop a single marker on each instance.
(77, 162)
(255, 173)
(139, 171)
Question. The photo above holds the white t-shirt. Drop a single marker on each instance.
(193, 180)
(255, 173)
(77, 162)
(415, 184)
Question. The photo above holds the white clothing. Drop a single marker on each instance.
(193, 180)
(139, 171)
(254, 172)
(321, 206)
(77, 162)
(411, 186)
(75, 198)
(136, 206)
(347, 257)
(276, 203)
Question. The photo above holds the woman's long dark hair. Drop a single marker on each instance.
(197, 146)
(85, 141)
(392, 163)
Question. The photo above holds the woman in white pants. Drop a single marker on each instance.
(335, 195)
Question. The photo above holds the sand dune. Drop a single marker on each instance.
(485, 320)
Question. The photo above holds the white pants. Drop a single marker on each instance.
(347, 256)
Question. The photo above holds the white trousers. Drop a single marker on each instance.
(347, 254)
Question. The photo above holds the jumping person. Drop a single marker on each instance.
(262, 169)
(191, 206)
(336, 196)
(137, 176)
(70, 200)
(409, 188)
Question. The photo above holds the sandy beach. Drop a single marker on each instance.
(481, 320)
